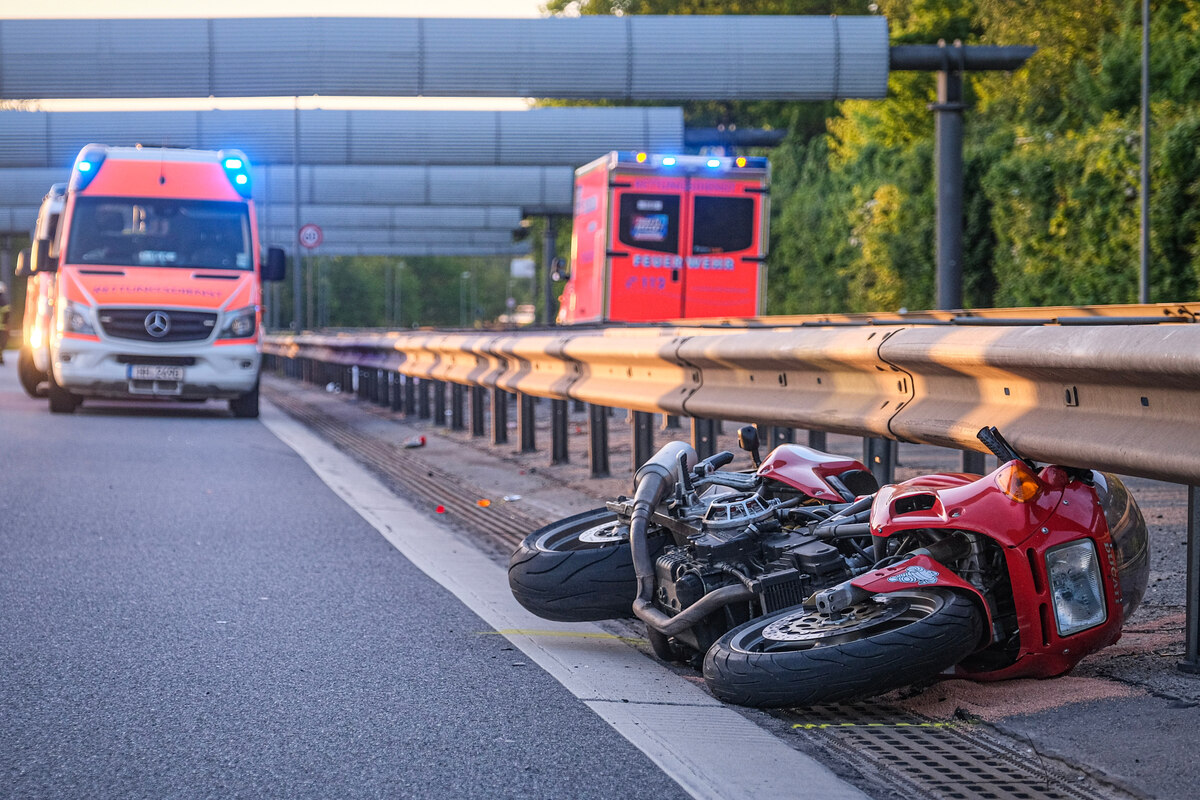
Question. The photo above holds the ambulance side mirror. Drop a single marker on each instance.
(275, 267)
(22, 268)
(40, 260)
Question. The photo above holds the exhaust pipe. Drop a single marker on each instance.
(654, 480)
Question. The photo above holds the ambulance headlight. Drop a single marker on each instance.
(239, 324)
(1076, 586)
(73, 319)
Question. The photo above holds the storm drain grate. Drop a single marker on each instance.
(957, 760)
(409, 475)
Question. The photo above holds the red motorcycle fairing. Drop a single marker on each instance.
(956, 500)
(1063, 510)
(807, 470)
(1045, 653)
(921, 572)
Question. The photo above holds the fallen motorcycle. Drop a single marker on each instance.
(803, 582)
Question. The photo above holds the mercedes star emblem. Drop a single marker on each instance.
(157, 324)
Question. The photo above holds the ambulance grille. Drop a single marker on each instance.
(181, 326)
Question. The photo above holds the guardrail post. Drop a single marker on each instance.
(478, 398)
(817, 440)
(526, 422)
(396, 379)
(1191, 651)
(499, 416)
(558, 432)
(439, 403)
(670, 422)
(384, 381)
(423, 410)
(642, 425)
(776, 436)
(457, 396)
(704, 436)
(877, 453)
(598, 440)
(974, 462)
(410, 397)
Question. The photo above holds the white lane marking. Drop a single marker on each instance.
(710, 749)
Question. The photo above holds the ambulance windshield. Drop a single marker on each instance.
(160, 232)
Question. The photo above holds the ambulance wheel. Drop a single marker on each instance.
(246, 406)
(62, 401)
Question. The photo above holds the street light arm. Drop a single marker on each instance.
(958, 57)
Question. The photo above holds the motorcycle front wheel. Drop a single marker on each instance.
(798, 657)
(578, 569)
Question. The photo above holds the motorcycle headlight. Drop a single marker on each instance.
(238, 324)
(72, 318)
(1077, 586)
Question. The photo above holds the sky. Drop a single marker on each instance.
(94, 9)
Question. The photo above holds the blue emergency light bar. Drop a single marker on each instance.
(87, 164)
(237, 169)
(690, 163)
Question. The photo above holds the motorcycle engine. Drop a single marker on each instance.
(740, 538)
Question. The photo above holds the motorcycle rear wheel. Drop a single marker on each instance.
(578, 569)
(798, 658)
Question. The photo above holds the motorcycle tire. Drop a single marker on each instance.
(796, 657)
(578, 569)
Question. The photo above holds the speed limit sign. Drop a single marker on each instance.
(311, 236)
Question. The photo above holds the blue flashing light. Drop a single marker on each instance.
(87, 166)
(668, 161)
(714, 162)
(237, 169)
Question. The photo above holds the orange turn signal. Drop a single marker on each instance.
(1018, 482)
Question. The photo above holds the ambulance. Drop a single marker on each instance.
(660, 237)
(33, 362)
(158, 290)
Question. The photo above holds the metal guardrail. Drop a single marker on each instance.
(1114, 388)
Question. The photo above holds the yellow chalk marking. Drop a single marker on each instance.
(565, 635)
(820, 726)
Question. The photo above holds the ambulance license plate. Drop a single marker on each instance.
(155, 372)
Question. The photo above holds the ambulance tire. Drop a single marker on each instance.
(62, 401)
(245, 406)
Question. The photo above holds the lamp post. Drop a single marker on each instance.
(400, 295)
(462, 299)
(1144, 228)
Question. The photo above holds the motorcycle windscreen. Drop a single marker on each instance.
(645, 263)
(723, 273)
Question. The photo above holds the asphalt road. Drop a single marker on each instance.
(187, 611)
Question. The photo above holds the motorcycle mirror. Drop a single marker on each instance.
(748, 441)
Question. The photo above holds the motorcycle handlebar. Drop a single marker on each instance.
(993, 441)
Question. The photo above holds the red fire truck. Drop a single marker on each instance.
(660, 237)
